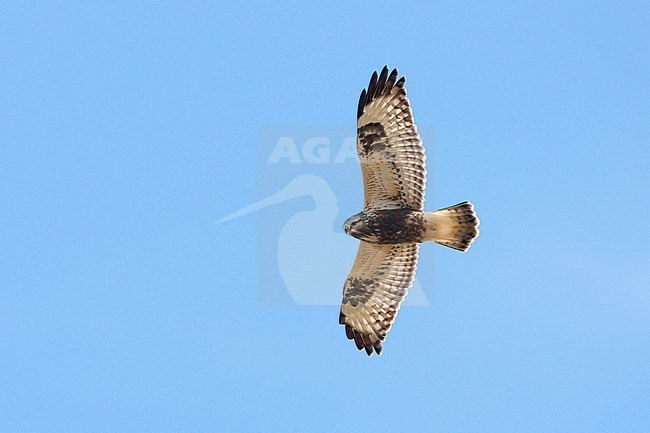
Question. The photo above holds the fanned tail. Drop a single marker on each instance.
(454, 226)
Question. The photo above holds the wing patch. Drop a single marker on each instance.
(372, 137)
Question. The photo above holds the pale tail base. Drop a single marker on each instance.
(454, 226)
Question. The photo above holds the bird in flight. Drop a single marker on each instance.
(393, 221)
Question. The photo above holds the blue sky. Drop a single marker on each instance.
(129, 129)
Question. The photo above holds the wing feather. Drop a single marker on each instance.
(390, 151)
(374, 289)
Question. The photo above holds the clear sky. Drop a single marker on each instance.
(128, 129)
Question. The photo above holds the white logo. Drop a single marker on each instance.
(312, 255)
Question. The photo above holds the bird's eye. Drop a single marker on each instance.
(354, 223)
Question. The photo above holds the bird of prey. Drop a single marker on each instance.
(393, 221)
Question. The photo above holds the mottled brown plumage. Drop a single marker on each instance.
(392, 222)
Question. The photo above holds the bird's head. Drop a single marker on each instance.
(357, 226)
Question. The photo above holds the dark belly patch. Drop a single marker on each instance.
(397, 226)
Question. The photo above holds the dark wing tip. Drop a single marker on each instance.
(391, 79)
(349, 332)
(357, 340)
(372, 86)
(380, 84)
(363, 342)
(362, 103)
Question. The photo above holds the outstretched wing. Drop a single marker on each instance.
(373, 291)
(390, 151)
